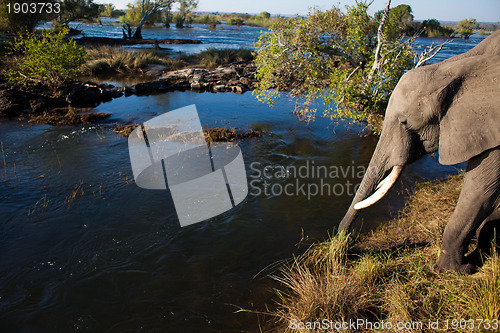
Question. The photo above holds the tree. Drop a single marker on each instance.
(265, 15)
(18, 21)
(78, 9)
(400, 21)
(147, 9)
(167, 12)
(185, 9)
(50, 60)
(235, 21)
(465, 27)
(432, 28)
(334, 57)
(109, 10)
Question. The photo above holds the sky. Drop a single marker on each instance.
(442, 10)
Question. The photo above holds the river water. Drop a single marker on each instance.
(82, 248)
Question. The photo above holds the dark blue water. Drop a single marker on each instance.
(82, 248)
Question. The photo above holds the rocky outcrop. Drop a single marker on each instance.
(62, 107)
(236, 77)
(90, 94)
(54, 107)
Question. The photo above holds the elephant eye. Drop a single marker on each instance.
(403, 121)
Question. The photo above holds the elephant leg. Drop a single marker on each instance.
(478, 199)
(488, 235)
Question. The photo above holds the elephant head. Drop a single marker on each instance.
(452, 107)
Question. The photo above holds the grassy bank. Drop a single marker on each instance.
(387, 275)
(110, 60)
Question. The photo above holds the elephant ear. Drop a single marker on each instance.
(470, 109)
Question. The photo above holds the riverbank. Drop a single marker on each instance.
(72, 103)
(387, 275)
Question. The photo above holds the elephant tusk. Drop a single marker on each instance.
(382, 189)
(382, 182)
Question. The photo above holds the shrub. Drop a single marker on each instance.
(235, 21)
(211, 20)
(49, 59)
(331, 56)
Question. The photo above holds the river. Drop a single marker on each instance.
(82, 248)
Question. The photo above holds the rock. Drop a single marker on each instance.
(219, 88)
(11, 104)
(128, 91)
(84, 95)
(195, 86)
(238, 89)
(227, 73)
(155, 70)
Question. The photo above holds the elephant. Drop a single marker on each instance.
(452, 107)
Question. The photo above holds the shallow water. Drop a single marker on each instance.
(82, 248)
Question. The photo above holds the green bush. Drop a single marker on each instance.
(330, 56)
(49, 59)
(211, 20)
(235, 21)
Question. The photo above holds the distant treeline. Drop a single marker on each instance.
(400, 21)
(263, 19)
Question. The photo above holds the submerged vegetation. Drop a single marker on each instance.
(387, 275)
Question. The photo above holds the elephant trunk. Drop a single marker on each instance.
(382, 188)
(371, 183)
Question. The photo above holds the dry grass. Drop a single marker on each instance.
(387, 275)
(108, 60)
(213, 58)
(217, 134)
(321, 285)
(220, 134)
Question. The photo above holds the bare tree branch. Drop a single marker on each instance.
(429, 53)
(146, 13)
(380, 39)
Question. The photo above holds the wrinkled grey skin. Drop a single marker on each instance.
(452, 107)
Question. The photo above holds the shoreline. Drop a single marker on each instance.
(72, 103)
(387, 275)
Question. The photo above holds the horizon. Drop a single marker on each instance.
(443, 11)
